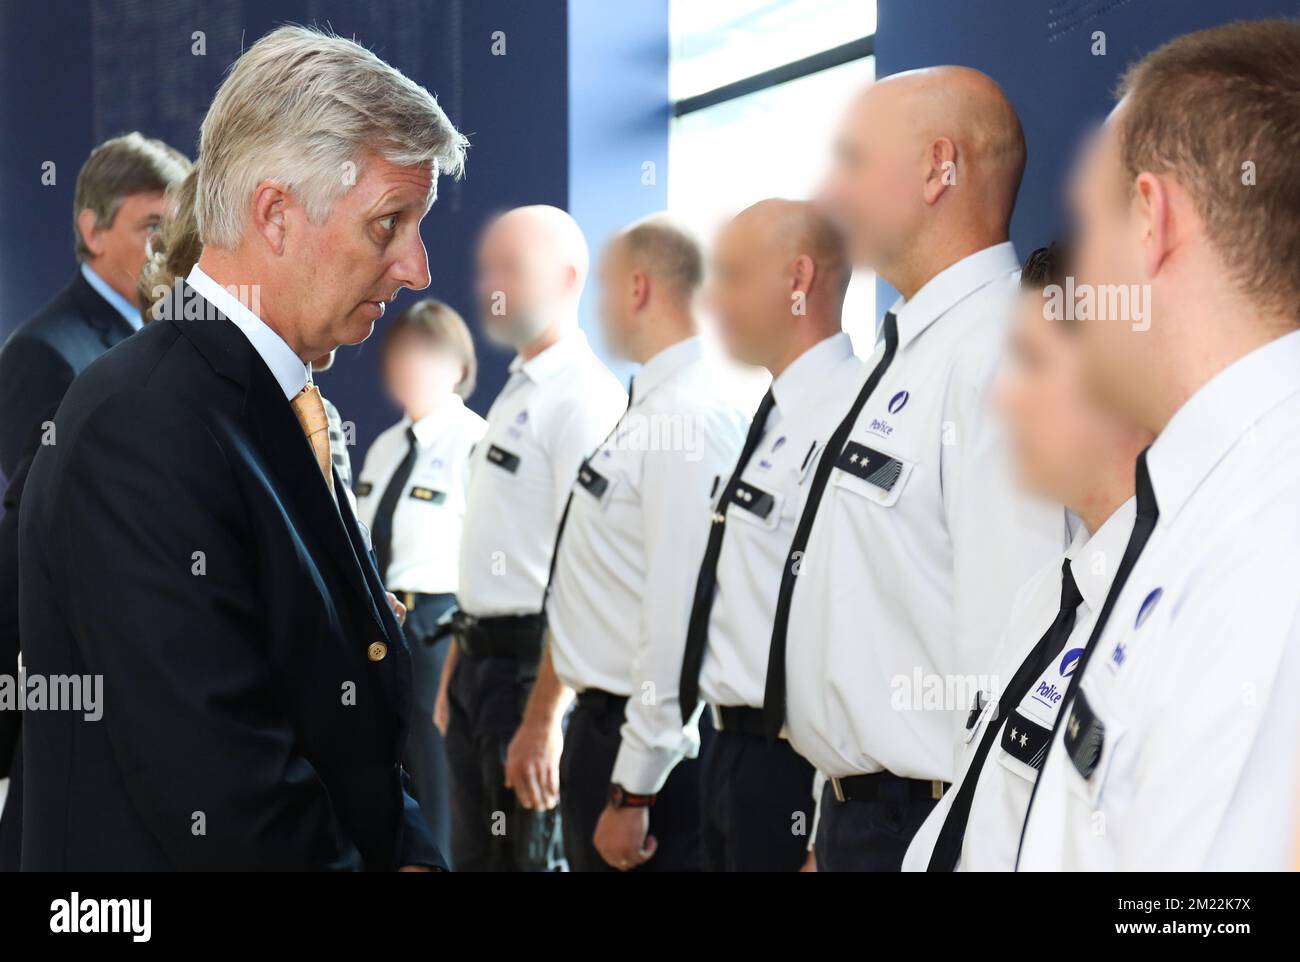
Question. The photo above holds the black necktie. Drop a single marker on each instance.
(774, 693)
(568, 502)
(947, 847)
(381, 532)
(1148, 512)
(697, 634)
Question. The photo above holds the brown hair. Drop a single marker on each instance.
(175, 248)
(439, 324)
(1202, 107)
(118, 168)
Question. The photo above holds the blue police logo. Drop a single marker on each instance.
(521, 417)
(436, 463)
(1148, 606)
(778, 443)
(898, 402)
(1070, 662)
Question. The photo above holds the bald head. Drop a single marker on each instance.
(780, 272)
(926, 156)
(532, 265)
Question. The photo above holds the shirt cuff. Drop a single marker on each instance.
(643, 771)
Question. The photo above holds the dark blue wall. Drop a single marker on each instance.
(77, 72)
(1040, 51)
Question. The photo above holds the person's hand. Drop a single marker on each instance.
(533, 764)
(810, 863)
(418, 868)
(399, 609)
(442, 704)
(623, 837)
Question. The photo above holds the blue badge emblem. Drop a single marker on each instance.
(436, 463)
(898, 402)
(777, 444)
(1148, 606)
(1070, 662)
(521, 417)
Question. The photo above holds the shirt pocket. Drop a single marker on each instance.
(603, 484)
(1091, 741)
(878, 475)
(1022, 746)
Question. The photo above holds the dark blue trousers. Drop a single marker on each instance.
(868, 836)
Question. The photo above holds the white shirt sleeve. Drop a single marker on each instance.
(1000, 536)
(675, 514)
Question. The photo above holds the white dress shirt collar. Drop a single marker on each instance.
(1095, 558)
(552, 361)
(809, 371)
(429, 427)
(290, 371)
(664, 365)
(1216, 417)
(951, 285)
(129, 311)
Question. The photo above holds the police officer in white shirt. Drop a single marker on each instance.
(913, 540)
(411, 494)
(1175, 747)
(1070, 452)
(632, 536)
(557, 405)
(780, 273)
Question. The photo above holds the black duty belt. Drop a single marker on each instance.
(506, 636)
(601, 702)
(885, 786)
(739, 719)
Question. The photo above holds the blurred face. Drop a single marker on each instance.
(873, 189)
(749, 295)
(1059, 439)
(340, 273)
(618, 300)
(420, 374)
(520, 280)
(119, 251)
(1108, 250)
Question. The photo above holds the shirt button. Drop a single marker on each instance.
(377, 651)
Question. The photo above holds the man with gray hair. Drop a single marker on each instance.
(117, 207)
(188, 539)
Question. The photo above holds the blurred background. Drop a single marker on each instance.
(612, 110)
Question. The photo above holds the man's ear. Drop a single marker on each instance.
(89, 233)
(941, 169)
(802, 273)
(269, 202)
(1153, 221)
(640, 290)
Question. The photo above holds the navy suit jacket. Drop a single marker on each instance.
(180, 542)
(37, 363)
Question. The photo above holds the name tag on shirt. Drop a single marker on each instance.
(752, 499)
(364, 488)
(1085, 734)
(591, 479)
(503, 458)
(429, 495)
(870, 465)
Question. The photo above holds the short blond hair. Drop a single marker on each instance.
(301, 108)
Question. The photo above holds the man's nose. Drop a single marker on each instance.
(412, 268)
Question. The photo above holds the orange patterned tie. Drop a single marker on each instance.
(309, 407)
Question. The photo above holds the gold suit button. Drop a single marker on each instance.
(377, 651)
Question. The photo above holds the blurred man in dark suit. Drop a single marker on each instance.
(118, 206)
(187, 543)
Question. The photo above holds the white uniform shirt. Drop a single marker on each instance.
(630, 552)
(430, 512)
(904, 588)
(1195, 676)
(551, 414)
(810, 397)
(997, 811)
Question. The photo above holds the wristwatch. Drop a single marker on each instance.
(620, 798)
